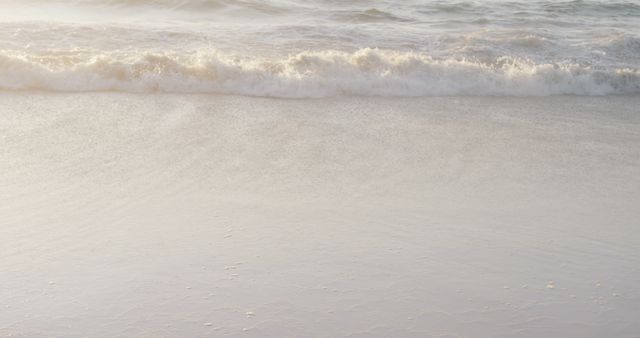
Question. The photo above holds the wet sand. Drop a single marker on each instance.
(198, 215)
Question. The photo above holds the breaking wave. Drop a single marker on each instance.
(366, 72)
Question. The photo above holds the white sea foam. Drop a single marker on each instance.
(320, 48)
(310, 74)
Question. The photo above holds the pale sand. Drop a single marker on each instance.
(190, 216)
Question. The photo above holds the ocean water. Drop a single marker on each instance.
(414, 196)
(322, 48)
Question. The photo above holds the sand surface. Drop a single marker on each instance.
(127, 215)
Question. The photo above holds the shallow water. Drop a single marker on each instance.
(149, 211)
(128, 215)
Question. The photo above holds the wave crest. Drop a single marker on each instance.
(366, 72)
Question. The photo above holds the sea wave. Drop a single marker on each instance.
(589, 8)
(268, 7)
(365, 72)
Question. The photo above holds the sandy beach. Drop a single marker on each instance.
(144, 215)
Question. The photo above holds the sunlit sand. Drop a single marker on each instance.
(191, 216)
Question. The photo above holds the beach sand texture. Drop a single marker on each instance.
(144, 215)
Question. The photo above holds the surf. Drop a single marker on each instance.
(365, 72)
